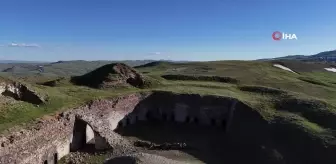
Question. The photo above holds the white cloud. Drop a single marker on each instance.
(23, 45)
(158, 56)
(156, 53)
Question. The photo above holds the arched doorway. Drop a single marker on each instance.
(82, 135)
(55, 158)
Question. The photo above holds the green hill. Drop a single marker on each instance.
(299, 108)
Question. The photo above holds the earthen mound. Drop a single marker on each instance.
(152, 64)
(313, 81)
(53, 83)
(313, 110)
(262, 90)
(200, 78)
(111, 76)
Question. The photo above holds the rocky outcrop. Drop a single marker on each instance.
(21, 92)
(111, 76)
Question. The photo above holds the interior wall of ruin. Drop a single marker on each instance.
(99, 120)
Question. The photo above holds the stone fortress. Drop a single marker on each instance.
(53, 138)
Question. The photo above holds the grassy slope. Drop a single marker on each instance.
(318, 89)
(248, 73)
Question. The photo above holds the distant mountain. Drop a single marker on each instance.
(326, 56)
(60, 68)
(290, 57)
(20, 61)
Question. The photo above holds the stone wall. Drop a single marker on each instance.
(204, 110)
(41, 142)
(51, 136)
(54, 136)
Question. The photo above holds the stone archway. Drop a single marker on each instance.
(55, 158)
(82, 135)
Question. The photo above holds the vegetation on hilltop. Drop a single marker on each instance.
(112, 76)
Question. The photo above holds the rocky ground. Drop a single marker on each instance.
(176, 143)
(141, 155)
(168, 148)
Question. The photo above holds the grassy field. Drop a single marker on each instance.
(306, 100)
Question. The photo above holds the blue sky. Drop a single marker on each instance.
(163, 29)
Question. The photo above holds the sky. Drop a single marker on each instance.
(202, 30)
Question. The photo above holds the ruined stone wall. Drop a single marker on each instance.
(37, 143)
(205, 110)
(52, 136)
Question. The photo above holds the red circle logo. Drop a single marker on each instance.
(277, 35)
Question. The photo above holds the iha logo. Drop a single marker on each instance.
(281, 35)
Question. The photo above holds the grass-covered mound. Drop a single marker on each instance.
(201, 78)
(56, 82)
(261, 89)
(152, 64)
(111, 76)
(313, 81)
(314, 110)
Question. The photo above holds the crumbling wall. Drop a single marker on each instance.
(54, 137)
(193, 108)
(40, 142)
